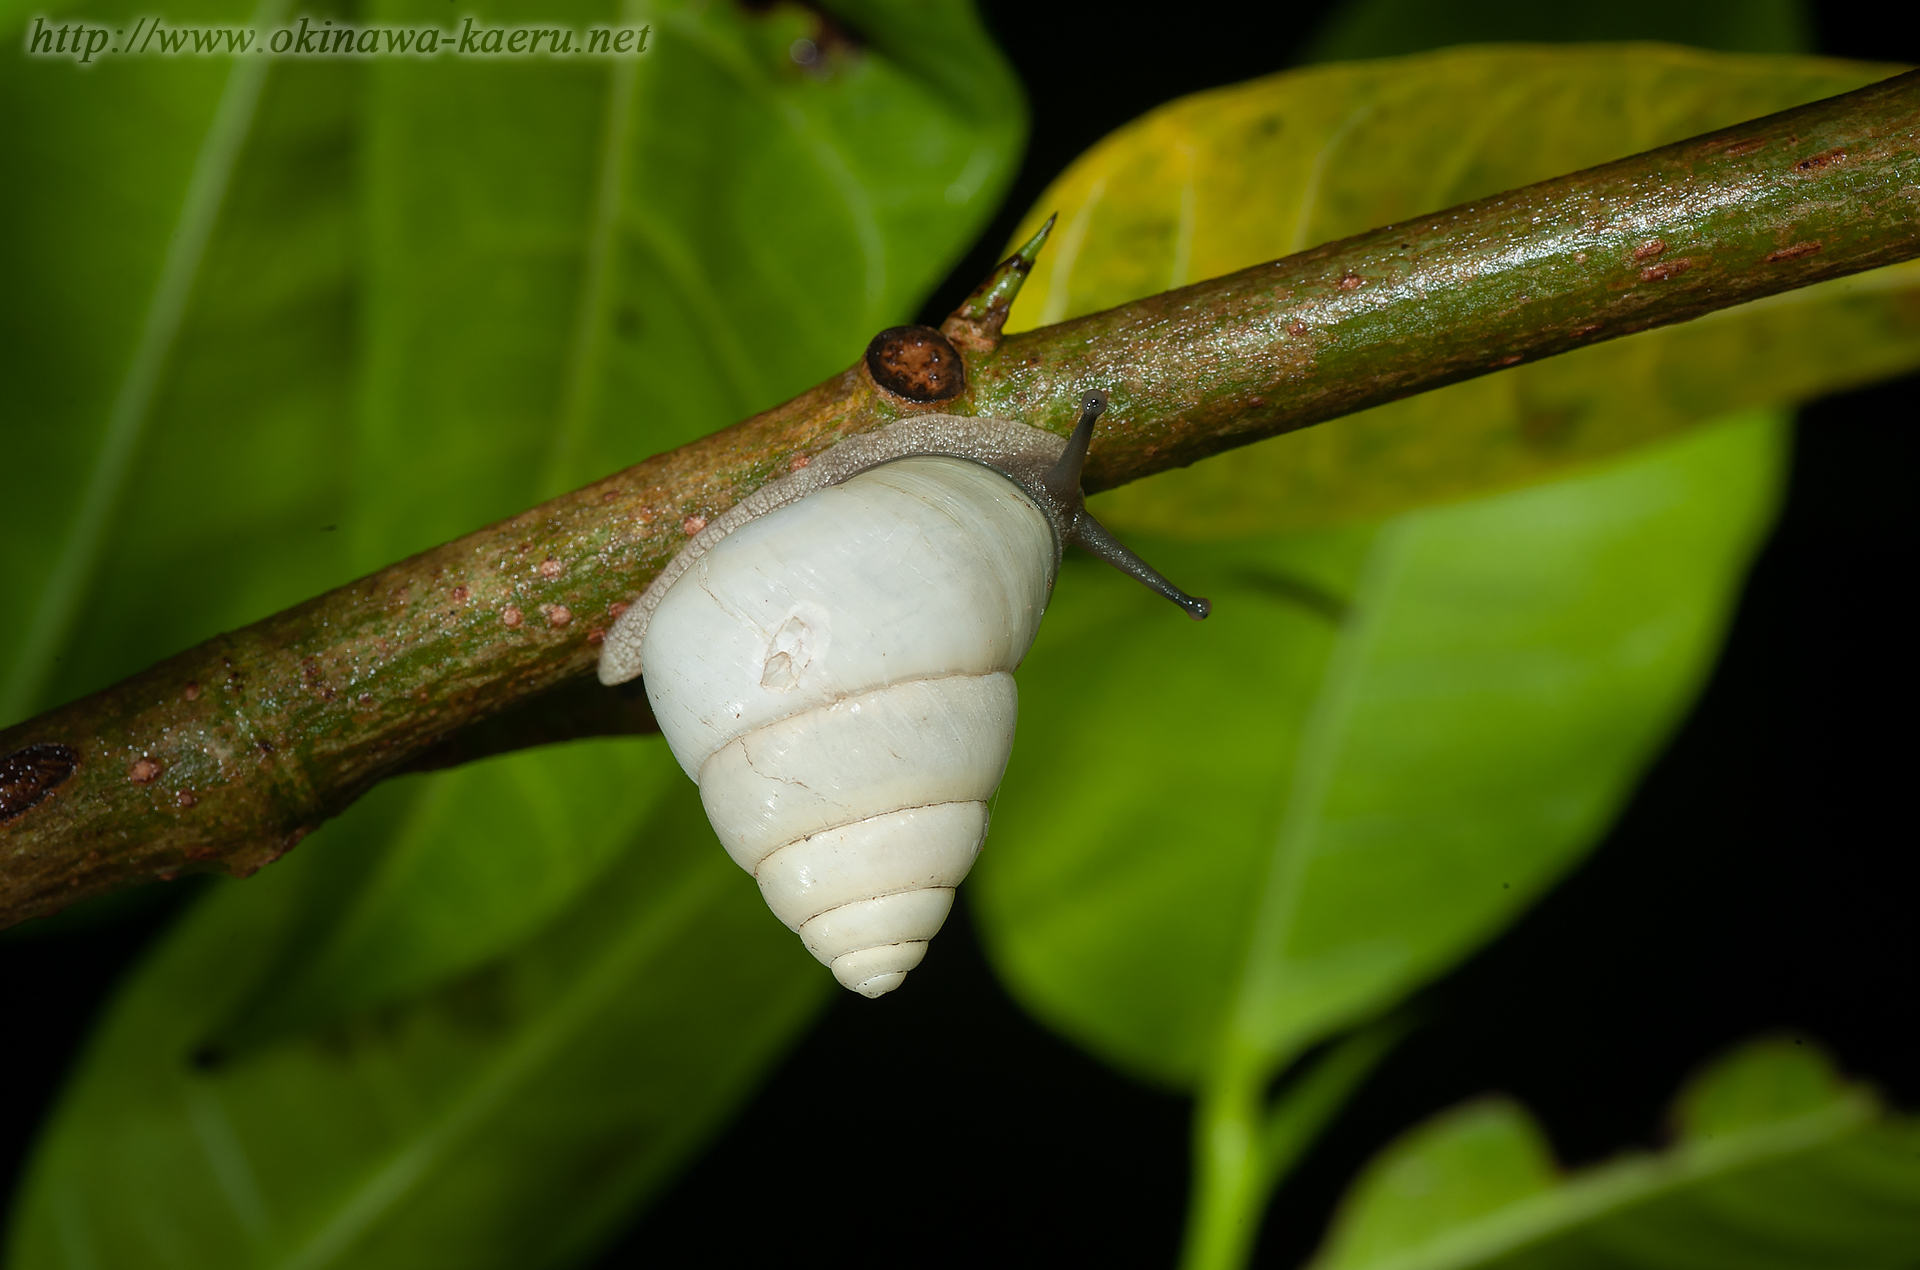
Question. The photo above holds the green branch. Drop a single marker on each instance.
(228, 754)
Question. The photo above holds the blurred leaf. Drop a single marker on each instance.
(510, 1119)
(1808, 1173)
(1387, 28)
(570, 272)
(177, 351)
(1779, 1078)
(1241, 837)
(436, 894)
(1462, 1165)
(432, 292)
(1226, 179)
(753, 237)
(568, 266)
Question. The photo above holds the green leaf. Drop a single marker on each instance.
(1460, 1166)
(458, 867)
(567, 266)
(1386, 28)
(699, 283)
(510, 1119)
(1226, 179)
(229, 398)
(636, 257)
(1770, 1080)
(1386, 742)
(1799, 1170)
(712, 282)
(396, 299)
(177, 351)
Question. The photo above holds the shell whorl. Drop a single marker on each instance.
(1005, 445)
(834, 672)
(830, 660)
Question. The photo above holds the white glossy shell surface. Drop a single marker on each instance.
(835, 675)
(927, 741)
(922, 568)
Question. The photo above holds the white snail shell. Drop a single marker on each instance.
(831, 661)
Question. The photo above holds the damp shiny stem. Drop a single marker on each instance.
(226, 755)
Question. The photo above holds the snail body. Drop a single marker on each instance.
(832, 663)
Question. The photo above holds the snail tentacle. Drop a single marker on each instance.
(1062, 486)
(830, 660)
(1097, 539)
(1063, 480)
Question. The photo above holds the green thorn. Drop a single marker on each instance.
(1031, 252)
(977, 322)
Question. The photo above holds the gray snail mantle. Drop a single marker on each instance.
(854, 786)
(1022, 453)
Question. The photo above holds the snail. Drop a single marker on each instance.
(830, 660)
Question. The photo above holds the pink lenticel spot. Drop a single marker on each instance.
(693, 525)
(142, 771)
(185, 798)
(558, 614)
(192, 690)
(550, 568)
(799, 461)
(616, 608)
(460, 595)
(597, 634)
(511, 615)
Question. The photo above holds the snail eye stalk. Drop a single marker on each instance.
(1063, 485)
(1063, 482)
(803, 794)
(1096, 538)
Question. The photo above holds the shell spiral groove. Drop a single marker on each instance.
(831, 661)
(835, 676)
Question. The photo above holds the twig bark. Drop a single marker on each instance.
(228, 754)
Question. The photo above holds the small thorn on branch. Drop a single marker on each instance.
(975, 326)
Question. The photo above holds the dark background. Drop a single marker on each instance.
(1763, 877)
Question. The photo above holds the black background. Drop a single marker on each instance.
(1763, 877)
